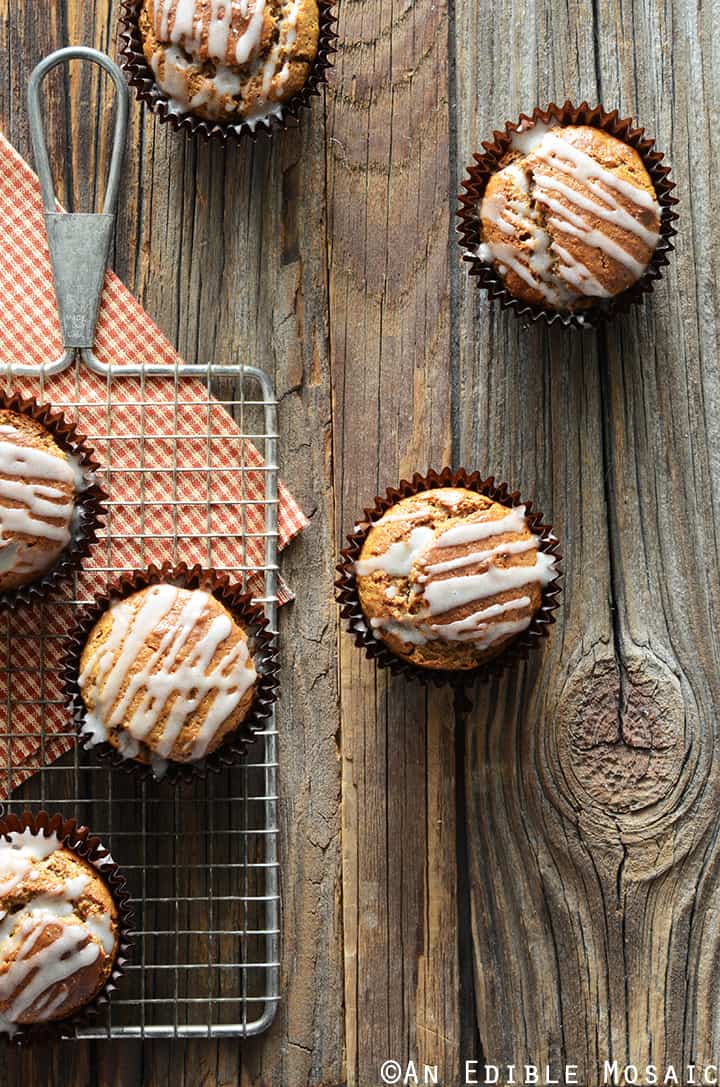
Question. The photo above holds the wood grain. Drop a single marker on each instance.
(592, 789)
(538, 881)
(389, 223)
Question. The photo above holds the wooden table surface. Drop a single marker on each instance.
(540, 880)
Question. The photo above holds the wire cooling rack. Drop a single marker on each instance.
(201, 860)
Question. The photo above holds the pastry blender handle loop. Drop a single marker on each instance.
(37, 131)
(80, 241)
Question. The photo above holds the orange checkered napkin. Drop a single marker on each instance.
(158, 513)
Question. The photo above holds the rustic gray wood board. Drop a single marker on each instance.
(537, 881)
(591, 786)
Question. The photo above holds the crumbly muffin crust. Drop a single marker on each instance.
(447, 577)
(59, 933)
(230, 60)
(571, 217)
(39, 484)
(166, 674)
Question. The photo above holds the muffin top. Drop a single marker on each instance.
(448, 577)
(166, 674)
(230, 60)
(58, 931)
(570, 218)
(39, 483)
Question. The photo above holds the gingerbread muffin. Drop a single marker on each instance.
(230, 60)
(59, 933)
(570, 219)
(39, 486)
(447, 577)
(166, 674)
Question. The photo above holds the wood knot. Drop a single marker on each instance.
(620, 733)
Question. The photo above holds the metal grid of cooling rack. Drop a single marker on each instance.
(201, 860)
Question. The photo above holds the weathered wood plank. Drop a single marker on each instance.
(390, 344)
(589, 778)
(591, 787)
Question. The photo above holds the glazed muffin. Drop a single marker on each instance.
(571, 217)
(230, 60)
(448, 577)
(166, 674)
(59, 932)
(39, 486)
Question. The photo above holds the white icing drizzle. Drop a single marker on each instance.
(172, 76)
(159, 767)
(36, 846)
(512, 547)
(28, 977)
(100, 925)
(475, 625)
(534, 265)
(118, 684)
(219, 29)
(605, 208)
(554, 149)
(128, 747)
(533, 277)
(544, 264)
(449, 496)
(37, 981)
(473, 531)
(94, 731)
(577, 275)
(185, 30)
(454, 592)
(530, 135)
(28, 462)
(601, 241)
(249, 40)
(273, 67)
(537, 269)
(39, 504)
(31, 519)
(75, 887)
(18, 854)
(399, 557)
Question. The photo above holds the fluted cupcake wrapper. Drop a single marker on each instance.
(91, 501)
(140, 76)
(80, 840)
(263, 648)
(487, 164)
(348, 598)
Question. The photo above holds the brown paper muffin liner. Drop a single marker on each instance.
(262, 646)
(487, 163)
(349, 599)
(140, 76)
(80, 840)
(91, 502)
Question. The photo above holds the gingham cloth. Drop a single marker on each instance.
(30, 332)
